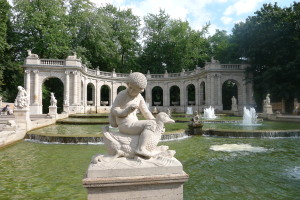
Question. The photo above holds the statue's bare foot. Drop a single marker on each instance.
(144, 153)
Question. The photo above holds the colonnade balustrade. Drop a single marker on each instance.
(198, 88)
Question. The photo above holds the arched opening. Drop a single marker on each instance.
(191, 94)
(157, 96)
(174, 95)
(90, 96)
(229, 89)
(56, 86)
(202, 93)
(121, 88)
(105, 95)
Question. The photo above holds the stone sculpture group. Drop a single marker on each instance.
(135, 137)
(22, 99)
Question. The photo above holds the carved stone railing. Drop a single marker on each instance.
(52, 62)
(231, 66)
(74, 62)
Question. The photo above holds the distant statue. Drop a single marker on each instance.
(155, 111)
(32, 55)
(296, 106)
(22, 99)
(233, 100)
(267, 101)
(135, 137)
(196, 117)
(53, 101)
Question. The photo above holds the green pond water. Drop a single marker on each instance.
(96, 129)
(267, 169)
(265, 125)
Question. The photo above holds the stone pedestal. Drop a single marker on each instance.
(124, 179)
(53, 111)
(234, 107)
(35, 109)
(66, 108)
(195, 129)
(22, 118)
(268, 109)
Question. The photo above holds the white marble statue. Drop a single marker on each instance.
(22, 99)
(53, 101)
(267, 101)
(31, 55)
(129, 145)
(233, 100)
(136, 137)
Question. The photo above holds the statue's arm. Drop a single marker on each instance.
(144, 109)
(116, 107)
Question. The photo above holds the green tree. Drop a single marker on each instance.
(220, 43)
(270, 41)
(155, 37)
(172, 45)
(42, 27)
(125, 33)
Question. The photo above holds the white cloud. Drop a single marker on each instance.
(226, 20)
(242, 7)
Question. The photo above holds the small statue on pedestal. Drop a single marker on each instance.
(234, 104)
(53, 101)
(22, 99)
(195, 125)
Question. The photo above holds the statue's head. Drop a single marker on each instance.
(137, 79)
(136, 82)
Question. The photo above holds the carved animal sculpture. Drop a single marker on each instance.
(121, 145)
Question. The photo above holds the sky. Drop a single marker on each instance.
(221, 14)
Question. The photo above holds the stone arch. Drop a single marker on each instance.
(230, 87)
(52, 84)
(191, 94)
(90, 94)
(120, 88)
(174, 95)
(105, 95)
(157, 96)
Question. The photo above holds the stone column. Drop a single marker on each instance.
(27, 72)
(212, 90)
(97, 93)
(244, 95)
(207, 91)
(219, 92)
(148, 96)
(67, 92)
(183, 102)
(75, 88)
(67, 89)
(166, 93)
(36, 87)
(197, 93)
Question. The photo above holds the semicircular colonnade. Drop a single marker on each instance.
(199, 88)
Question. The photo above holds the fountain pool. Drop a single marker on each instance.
(240, 168)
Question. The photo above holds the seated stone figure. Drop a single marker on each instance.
(123, 116)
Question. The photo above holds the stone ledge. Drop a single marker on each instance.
(136, 180)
